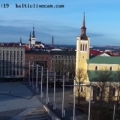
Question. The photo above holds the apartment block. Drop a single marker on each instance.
(12, 61)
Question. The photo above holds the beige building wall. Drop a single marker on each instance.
(112, 67)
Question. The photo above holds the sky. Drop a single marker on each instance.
(102, 21)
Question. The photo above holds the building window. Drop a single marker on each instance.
(96, 68)
(110, 68)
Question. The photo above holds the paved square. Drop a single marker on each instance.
(16, 96)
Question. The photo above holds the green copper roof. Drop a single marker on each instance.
(104, 60)
(94, 77)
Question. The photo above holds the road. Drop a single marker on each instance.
(15, 99)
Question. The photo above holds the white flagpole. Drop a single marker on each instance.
(74, 100)
(47, 99)
(63, 100)
(37, 89)
(41, 81)
(54, 104)
(29, 75)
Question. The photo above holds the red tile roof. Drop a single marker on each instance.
(95, 52)
(27, 48)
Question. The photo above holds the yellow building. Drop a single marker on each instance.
(98, 70)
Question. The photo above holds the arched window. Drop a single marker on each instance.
(110, 68)
(81, 47)
(114, 91)
(86, 47)
(96, 68)
(98, 91)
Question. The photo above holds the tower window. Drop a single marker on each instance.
(96, 68)
(86, 47)
(81, 47)
(110, 68)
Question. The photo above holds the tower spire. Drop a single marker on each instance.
(33, 35)
(83, 29)
(83, 20)
(20, 40)
(30, 34)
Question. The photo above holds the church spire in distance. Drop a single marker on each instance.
(30, 34)
(20, 40)
(33, 35)
(83, 29)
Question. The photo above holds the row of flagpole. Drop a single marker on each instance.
(54, 100)
(31, 83)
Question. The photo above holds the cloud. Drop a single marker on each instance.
(95, 34)
(62, 34)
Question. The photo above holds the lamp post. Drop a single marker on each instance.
(63, 100)
(47, 98)
(41, 81)
(37, 89)
(54, 104)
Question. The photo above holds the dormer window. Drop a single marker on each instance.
(110, 68)
(96, 68)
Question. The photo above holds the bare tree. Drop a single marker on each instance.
(72, 70)
(117, 76)
(58, 67)
(81, 76)
(103, 77)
